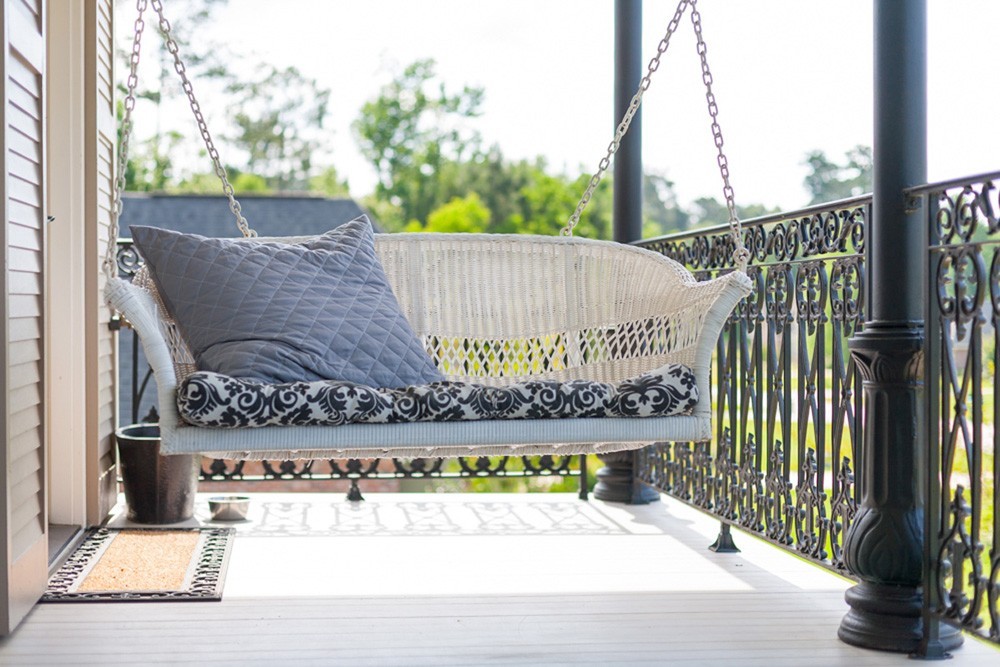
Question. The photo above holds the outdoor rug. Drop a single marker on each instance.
(129, 564)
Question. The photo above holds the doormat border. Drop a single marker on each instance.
(210, 564)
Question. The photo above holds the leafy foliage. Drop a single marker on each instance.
(279, 125)
(409, 131)
(828, 181)
(418, 134)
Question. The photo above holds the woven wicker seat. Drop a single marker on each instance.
(492, 309)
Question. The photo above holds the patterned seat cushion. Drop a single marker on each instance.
(214, 400)
(275, 312)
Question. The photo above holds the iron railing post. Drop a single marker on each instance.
(884, 544)
(616, 480)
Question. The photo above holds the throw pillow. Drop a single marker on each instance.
(276, 312)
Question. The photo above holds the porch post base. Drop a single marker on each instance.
(724, 543)
(616, 481)
(888, 618)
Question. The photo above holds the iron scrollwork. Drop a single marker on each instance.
(788, 409)
(963, 332)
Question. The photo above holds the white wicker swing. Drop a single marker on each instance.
(617, 311)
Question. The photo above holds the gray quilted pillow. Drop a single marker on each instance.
(322, 310)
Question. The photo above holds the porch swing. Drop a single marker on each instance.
(496, 344)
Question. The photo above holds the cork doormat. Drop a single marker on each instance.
(144, 565)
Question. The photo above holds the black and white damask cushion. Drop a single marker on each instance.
(219, 401)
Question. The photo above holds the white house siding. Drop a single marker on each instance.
(99, 150)
(22, 503)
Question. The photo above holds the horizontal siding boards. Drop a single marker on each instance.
(23, 376)
(27, 524)
(24, 440)
(25, 351)
(19, 305)
(20, 236)
(29, 463)
(105, 85)
(22, 145)
(24, 155)
(24, 215)
(25, 396)
(28, 527)
(33, 7)
(21, 122)
(26, 491)
(23, 282)
(27, 168)
(24, 421)
(24, 99)
(105, 180)
(23, 328)
(104, 67)
(24, 75)
(20, 259)
(22, 191)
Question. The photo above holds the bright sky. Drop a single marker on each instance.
(790, 76)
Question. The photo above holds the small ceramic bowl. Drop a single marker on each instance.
(229, 508)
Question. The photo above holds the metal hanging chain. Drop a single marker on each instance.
(220, 171)
(626, 120)
(110, 264)
(740, 256)
(126, 131)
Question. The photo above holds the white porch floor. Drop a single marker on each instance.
(474, 579)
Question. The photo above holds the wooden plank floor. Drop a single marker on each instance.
(474, 579)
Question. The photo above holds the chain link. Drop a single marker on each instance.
(741, 256)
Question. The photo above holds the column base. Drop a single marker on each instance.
(889, 618)
(616, 482)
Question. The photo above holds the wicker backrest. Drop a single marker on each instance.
(496, 309)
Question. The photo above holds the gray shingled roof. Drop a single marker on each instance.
(209, 215)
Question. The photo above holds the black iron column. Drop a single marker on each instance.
(884, 546)
(616, 480)
(627, 217)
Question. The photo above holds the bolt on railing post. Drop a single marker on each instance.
(884, 544)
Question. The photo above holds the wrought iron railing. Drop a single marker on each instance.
(137, 397)
(962, 518)
(788, 401)
(786, 392)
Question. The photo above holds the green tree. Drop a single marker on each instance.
(151, 165)
(708, 211)
(279, 120)
(828, 181)
(208, 183)
(328, 183)
(412, 128)
(660, 211)
(460, 215)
